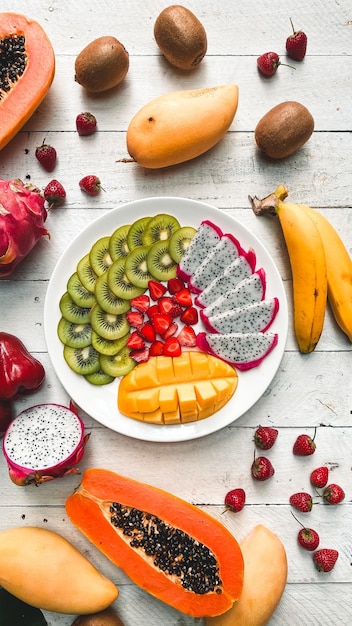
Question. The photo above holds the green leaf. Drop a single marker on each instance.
(14, 611)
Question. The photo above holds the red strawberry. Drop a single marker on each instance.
(265, 437)
(152, 310)
(262, 468)
(190, 316)
(6, 414)
(156, 348)
(183, 297)
(296, 44)
(174, 285)
(302, 501)
(269, 62)
(86, 124)
(304, 446)
(156, 289)
(173, 328)
(141, 303)
(172, 347)
(46, 156)
(147, 332)
(325, 559)
(161, 322)
(134, 318)
(54, 193)
(90, 184)
(187, 337)
(319, 476)
(308, 539)
(333, 494)
(167, 305)
(235, 500)
(135, 341)
(140, 356)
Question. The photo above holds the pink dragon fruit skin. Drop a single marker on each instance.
(207, 236)
(242, 350)
(22, 217)
(42, 443)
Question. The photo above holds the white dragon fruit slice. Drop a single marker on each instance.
(206, 237)
(251, 318)
(239, 269)
(242, 350)
(248, 290)
(43, 442)
(217, 260)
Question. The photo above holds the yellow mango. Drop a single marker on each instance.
(180, 125)
(45, 570)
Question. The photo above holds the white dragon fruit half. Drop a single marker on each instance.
(44, 442)
(242, 350)
(240, 268)
(248, 290)
(217, 260)
(206, 237)
(254, 317)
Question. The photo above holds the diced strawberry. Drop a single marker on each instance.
(147, 331)
(187, 337)
(141, 303)
(190, 316)
(161, 322)
(183, 297)
(152, 310)
(173, 328)
(172, 347)
(156, 289)
(156, 348)
(174, 285)
(140, 356)
(167, 305)
(134, 318)
(135, 341)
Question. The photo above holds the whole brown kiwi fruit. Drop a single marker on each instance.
(108, 617)
(102, 64)
(181, 37)
(284, 129)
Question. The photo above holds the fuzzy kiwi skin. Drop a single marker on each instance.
(181, 37)
(102, 64)
(108, 617)
(284, 129)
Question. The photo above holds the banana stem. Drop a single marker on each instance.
(269, 204)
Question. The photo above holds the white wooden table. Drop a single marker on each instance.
(308, 392)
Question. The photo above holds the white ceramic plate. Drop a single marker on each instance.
(101, 402)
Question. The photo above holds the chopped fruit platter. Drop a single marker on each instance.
(156, 322)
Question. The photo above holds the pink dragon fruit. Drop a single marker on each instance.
(22, 217)
(242, 350)
(248, 290)
(240, 268)
(254, 317)
(206, 237)
(42, 443)
(217, 260)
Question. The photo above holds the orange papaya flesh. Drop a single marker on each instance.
(29, 59)
(167, 546)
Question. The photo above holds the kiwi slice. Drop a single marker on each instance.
(136, 267)
(107, 325)
(107, 299)
(72, 312)
(99, 256)
(160, 228)
(160, 263)
(118, 246)
(108, 346)
(79, 294)
(119, 284)
(74, 335)
(180, 241)
(99, 378)
(135, 233)
(82, 360)
(86, 274)
(119, 364)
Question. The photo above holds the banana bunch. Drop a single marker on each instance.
(320, 263)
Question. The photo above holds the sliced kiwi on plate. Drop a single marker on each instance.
(136, 268)
(118, 246)
(107, 299)
(160, 228)
(135, 233)
(119, 364)
(160, 263)
(108, 346)
(99, 256)
(99, 378)
(79, 294)
(86, 274)
(82, 360)
(180, 241)
(72, 312)
(74, 335)
(119, 284)
(107, 325)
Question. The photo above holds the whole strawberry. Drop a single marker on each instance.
(86, 124)
(265, 437)
(304, 446)
(268, 63)
(325, 559)
(90, 184)
(235, 500)
(46, 156)
(262, 468)
(308, 539)
(333, 494)
(296, 44)
(319, 476)
(54, 193)
(302, 501)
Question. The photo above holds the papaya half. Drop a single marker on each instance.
(167, 546)
(28, 69)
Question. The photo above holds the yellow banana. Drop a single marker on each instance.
(308, 265)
